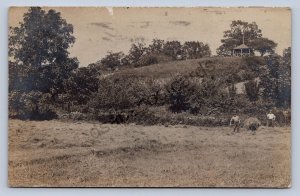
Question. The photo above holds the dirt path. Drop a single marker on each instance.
(54, 153)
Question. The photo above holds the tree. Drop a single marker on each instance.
(263, 45)
(172, 48)
(275, 79)
(269, 74)
(39, 63)
(156, 46)
(113, 60)
(179, 91)
(284, 79)
(80, 85)
(232, 90)
(116, 94)
(252, 90)
(234, 36)
(30, 105)
(38, 51)
(195, 50)
(136, 52)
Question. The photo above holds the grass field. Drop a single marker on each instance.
(56, 153)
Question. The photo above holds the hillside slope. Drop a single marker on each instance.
(212, 65)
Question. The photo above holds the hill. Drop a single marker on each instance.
(211, 65)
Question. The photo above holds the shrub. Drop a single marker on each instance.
(77, 116)
(113, 60)
(147, 59)
(142, 116)
(252, 90)
(33, 105)
(125, 93)
(206, 97)
(253, 63)
(232, 90)
(180, 92)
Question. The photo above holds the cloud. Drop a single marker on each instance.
(180, 23)
(115, 36)
(106, 39)
(109, 34)
(215, 11)
(137, 39)
(105, 25)
(143, 24)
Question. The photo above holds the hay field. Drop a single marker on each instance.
(57, 153)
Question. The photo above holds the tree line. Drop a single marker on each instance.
(158, 51)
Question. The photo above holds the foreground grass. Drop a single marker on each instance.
(55, 153)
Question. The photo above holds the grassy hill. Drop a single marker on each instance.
(212, 65)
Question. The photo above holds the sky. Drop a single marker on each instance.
(98, 29)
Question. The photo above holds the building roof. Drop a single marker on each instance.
(242, 46)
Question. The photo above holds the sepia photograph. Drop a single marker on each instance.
(149, 97)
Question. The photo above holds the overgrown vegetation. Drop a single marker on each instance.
(252, 90)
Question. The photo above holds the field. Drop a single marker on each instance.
(57, 153)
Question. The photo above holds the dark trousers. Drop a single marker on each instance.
(270, 123)
(236, 127)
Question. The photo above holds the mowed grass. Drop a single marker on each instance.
(56, 153)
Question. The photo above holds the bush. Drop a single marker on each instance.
(113, 60)
(147, 59)
(252, 90)
(205, 97)
(122, 93)
(77, 116)
(152, 58)
(33, 105)
(253, 63)
(180, 92)
(142, 116)
(247, 75)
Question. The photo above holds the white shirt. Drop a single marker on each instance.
(235, 119)
(271, 116)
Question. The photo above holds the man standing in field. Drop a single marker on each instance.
(270, 119)
(235, 121)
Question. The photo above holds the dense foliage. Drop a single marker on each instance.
(39, 61)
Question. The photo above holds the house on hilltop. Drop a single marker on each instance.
(242, 50)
